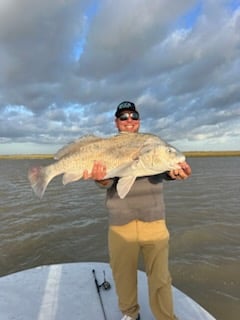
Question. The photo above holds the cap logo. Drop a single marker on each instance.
(125, 105)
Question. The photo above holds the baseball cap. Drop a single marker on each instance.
(125, 106)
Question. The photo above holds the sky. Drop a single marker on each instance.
(65, 65)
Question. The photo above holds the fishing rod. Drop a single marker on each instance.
(106, 286)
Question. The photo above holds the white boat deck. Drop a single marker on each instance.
(68, 292)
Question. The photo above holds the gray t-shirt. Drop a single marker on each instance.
(143, 202)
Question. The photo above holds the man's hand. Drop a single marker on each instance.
(181, 174)
(98, 171)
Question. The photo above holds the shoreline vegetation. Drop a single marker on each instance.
(187, 154)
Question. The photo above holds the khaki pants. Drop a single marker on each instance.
(125, 243)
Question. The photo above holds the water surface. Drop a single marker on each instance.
(70, 224)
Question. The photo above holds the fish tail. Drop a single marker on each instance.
(39, 179)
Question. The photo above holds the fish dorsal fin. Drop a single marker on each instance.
(76, 145)
(153, 141)
(124, 185)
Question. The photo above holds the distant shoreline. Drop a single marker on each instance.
(187, 154)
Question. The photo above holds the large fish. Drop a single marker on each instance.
(125, 155)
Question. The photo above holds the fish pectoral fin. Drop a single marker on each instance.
(122, 170)
(124, 185)
(71, 177)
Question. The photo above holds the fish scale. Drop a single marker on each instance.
(126, 155)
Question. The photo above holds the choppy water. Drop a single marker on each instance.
(70, 224)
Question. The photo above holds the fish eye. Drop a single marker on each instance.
(170, 150)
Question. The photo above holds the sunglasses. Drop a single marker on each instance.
(125, 116)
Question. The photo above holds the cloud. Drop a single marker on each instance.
(65, 65)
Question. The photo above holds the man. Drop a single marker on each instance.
(137, 223)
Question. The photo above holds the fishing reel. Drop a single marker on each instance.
(105, 285)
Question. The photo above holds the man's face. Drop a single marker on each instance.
(127, 122)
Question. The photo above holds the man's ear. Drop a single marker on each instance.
(116, 123)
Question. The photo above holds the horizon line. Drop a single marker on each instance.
(186, 153)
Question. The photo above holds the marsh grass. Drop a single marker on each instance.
(26, 156)
(187, 154)
(212, 153)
